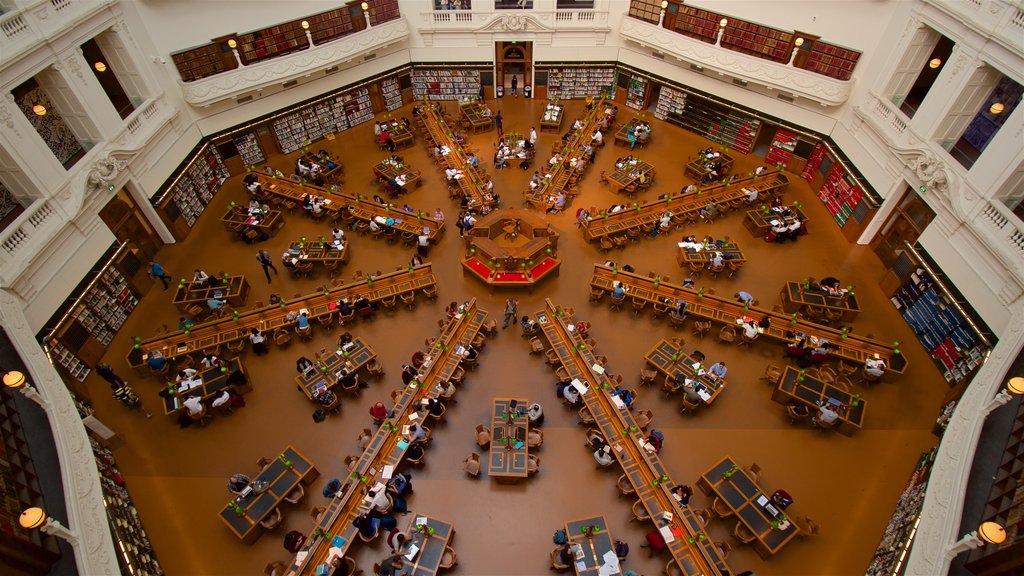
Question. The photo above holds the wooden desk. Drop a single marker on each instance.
(318, 252)
(645, 470)
(268, 223)
(759, 222)
(508, 454)
(387, 446)
(400, 135)
(475, 114)
(471, 184)
(623, 133)
(796, 299)
(594, 546)
(357, 206)
(698, 168)
(730, 253)
(214, 381)
(281, 479)
(234, 289)
(673, 361)
(740, 493)
(327, 372)
(226, 330)
(431, 544)
(725, 310)
(561, 174)
(683, 206)
(813, 393)
(628, 177)
(551, 118)
(387, 170)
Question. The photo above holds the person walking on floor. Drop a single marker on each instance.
(107, 373)
(515, 86)
(497, 124)
(126, 395)
(265, 260)
(511, 312)
(157, 271)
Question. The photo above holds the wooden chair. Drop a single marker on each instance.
(350, 462)
(304, 335)
(640, 513)
(448, 559)
(236, 346)
(827, 374)
(672, 568)
(263, 463)
(200, 418)
(273, 520)
(535, 438)
(471, 465)
(316, 511)
(796, 414)
(344, 319)
(747, 340)
(363, 440)
(556, 561)
(482, 436)
(843, 383)
(551, 357)
(720, 508)
(727, 335)
(327, 321)
(754, 471)
(275, 568)
(390, 303)
(430, 292)
(562, 374)
(409, 299)
(643, 418)
(685, 406)
(670, 385)
(701, 327)
(586, 416)
(605, 244)
(281, 337)
(616, 302)
(659, 310)
(625, 486)
(647, 376)
(536, 346)
(369, 539)
(375, 368)
(808, 528)
(532, 464)
(296, 495)
(725, 548)
(703, 516)
(772, 374)
(733, 267)
(695, 269)
(596, 294)
(416, 461)
(638, 306)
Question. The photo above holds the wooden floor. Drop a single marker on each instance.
(849, 485)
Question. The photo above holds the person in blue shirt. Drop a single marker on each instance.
(157, 271)
(184, 323)
(215, 304)
(156, 363)
(718, 370)
(302, 321)
(744, 297)
(618, 291)
(625, 395)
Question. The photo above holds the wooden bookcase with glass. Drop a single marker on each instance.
(636, 94)
(728, 127)
(670, 101)
(272, 42)
(840, 193)
(200, 62)
(833, 61)
(698, 23)
(899, 533)
(758, 40)
(579, 83)
(780, 152)
(441, 84)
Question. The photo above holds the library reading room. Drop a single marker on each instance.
(635, 287)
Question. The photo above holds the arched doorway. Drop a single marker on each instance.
(513, 59)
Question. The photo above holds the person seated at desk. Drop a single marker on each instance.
(303, 365)
(302, 322)
(618, 291)
(597, 139)
(210, 361)
(750, 329)
(200, 279)
(435, 407)
(156, 363)
(393, 566)
(274, 299)
(571, 395)
(470, 353)
(528, 324)
(744, 298)
(682, 494)
(238, 482)
(821, 352)
(379, 413)
(400, 484)
(798, 349)
(221, 399)
(717, 370)
(338, 234)
(752, 196)
(416, 433)
(656, 439)
(216, 304)
(709, 211)
(760, 170)
(325, 397)
(536, 414)
(366, 524)
(679, 312)
(194, 405)
(344, 308)
(349, 380)
(452, 174)
(826, 416)
(386, 141)
(408, 374)
(604, 456)
(874, 367)
(558, 204)
(259, 345)
(184, 323)
(344, 339)
(186, 374)
(625, 395)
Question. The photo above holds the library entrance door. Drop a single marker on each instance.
(513, 60)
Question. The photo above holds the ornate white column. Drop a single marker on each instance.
(87, 97)
(87, 517)
(27, 148)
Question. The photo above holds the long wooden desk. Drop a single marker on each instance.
(592, 536)
(673, 361)
(387, 446)
(725, 310)
(386, 169)
(325, 373)
(796, 299)
(552, 116)
(628, 177)
(508, 452)
(318, 252)
(234, 289)
(243, 515)
(214, 380)
(268, 223)
(471, 184)
(759, 222)
(400, 135)
(622, 134)
(698, 168)
(360, 208)
(211, 334)
(681, 205)
(431, 538)
(730, 482)
(561, 173)
(475, 114)
(691, 547)
(730, 253)
(802, 388)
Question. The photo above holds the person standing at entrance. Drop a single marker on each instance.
(497, 124)
(515, 85)
(263, 257)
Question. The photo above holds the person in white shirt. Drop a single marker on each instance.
(423, 242)
(453, 173)
(338, 234)
(194, 405)
(827, 415)
(210, 361)
(750, 329)
(760, 170)
(259, 345)
(571, 394)
(577, 124)
(604, 456)
(752, 195)
(186, 374)
(874, 367)
(597, 138)
(200, 278)
(374, 226)
(533, 135)
(666, 220)
(716, 260)
(439, 215)
(223, 398)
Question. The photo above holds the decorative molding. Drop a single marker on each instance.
(105, 170)
(5, 113)
(515, 23)
(822, 89)
(232, 83)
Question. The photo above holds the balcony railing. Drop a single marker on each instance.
(1003, 20)
(35, 22)
(777, 76)
(539, 21)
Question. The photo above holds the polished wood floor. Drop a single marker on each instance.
(848, 485)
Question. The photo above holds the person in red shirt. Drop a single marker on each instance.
(378, 412)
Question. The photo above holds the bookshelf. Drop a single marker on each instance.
(271, 42)
(249, 148)
(636, 95)
(728, 127)
(939, 326)
(391, 90)
(811, 168)
(312, 122)
(577, 83)
(780, 152)
(196, 63)
(198, 183)
(830, 60)
(899, 533)
(646, 10)
(64, 358)
(698, 23)
(438, 84)
(758, 40)
(137, 555)
(670, 101)
(383, 11)
(329, 25)
(840, 194)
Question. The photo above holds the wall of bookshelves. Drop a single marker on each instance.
(383, 11)
(646, 10)
(757, 40)
(391, 90)
(939, 326)
(780, 152)
(840, 194)
(698, 23)
(833, 61)
(249, 148)
(198, 183)
(577, 83)
(817, 156)
(728, 127)
(670, 101)
(330, 25)
(271, 42)
(898, 535)
(66, 359)
(201, 62)
(636, 95)
(310, 123)
(440, 84)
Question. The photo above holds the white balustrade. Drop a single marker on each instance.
(32, 23)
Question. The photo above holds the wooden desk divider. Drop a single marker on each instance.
(471, 184)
